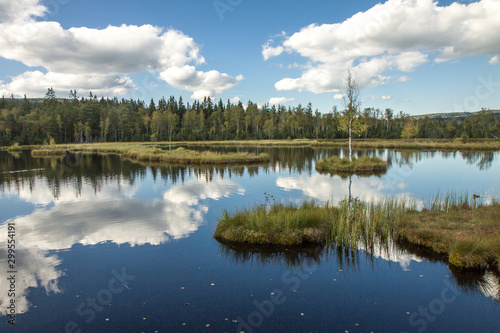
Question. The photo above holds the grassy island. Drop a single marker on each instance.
(48, 152)
(152, 153)
(467, 234)
(362, 165)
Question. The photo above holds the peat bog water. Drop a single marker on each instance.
(109, 245)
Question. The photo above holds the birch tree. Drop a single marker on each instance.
(351, 117)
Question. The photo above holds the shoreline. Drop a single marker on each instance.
(399, 144)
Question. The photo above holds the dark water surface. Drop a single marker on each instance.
(108, 245)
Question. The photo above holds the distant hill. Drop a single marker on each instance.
(454, 115)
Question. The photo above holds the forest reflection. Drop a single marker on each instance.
(479, 282)
(20, 169)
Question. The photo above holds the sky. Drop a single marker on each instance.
(415, 56)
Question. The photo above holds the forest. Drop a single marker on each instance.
(92, 119)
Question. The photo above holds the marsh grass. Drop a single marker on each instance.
(441, 144)
(48, 152)
(288, 224)
(14, 148)
(468, 234)
(275, 224)
(438, 144)
(362, 165)
(147, 152)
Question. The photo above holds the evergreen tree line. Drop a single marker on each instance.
(28, 121)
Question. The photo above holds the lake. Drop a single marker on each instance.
(105, 244)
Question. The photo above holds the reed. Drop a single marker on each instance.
(466, 232)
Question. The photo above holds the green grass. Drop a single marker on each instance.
(468, 234)
(281, 224)
(362, 165)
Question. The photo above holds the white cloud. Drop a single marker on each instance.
(399, 35)
(20, 10)
(35, 84)
(111, 52)
(235, 100)
(202, 84)
(269, 51)
(338, 96)
(280, 100)
(386, 98)
(374, 98)
(334, 189)
(404, 78)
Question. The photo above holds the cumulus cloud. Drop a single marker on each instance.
(268, 51)
(20, 10)
(280, 100)
(398, 35)
(82, 54)
(200, 83)
(334, 189)
(386, 98)
(35, 83)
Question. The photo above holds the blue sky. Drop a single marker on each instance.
(412, 56)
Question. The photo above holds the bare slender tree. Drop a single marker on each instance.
(351, 117)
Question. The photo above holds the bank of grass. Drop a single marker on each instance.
(362, 165)
(148, 152)
(434, 144)
(468, 234)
